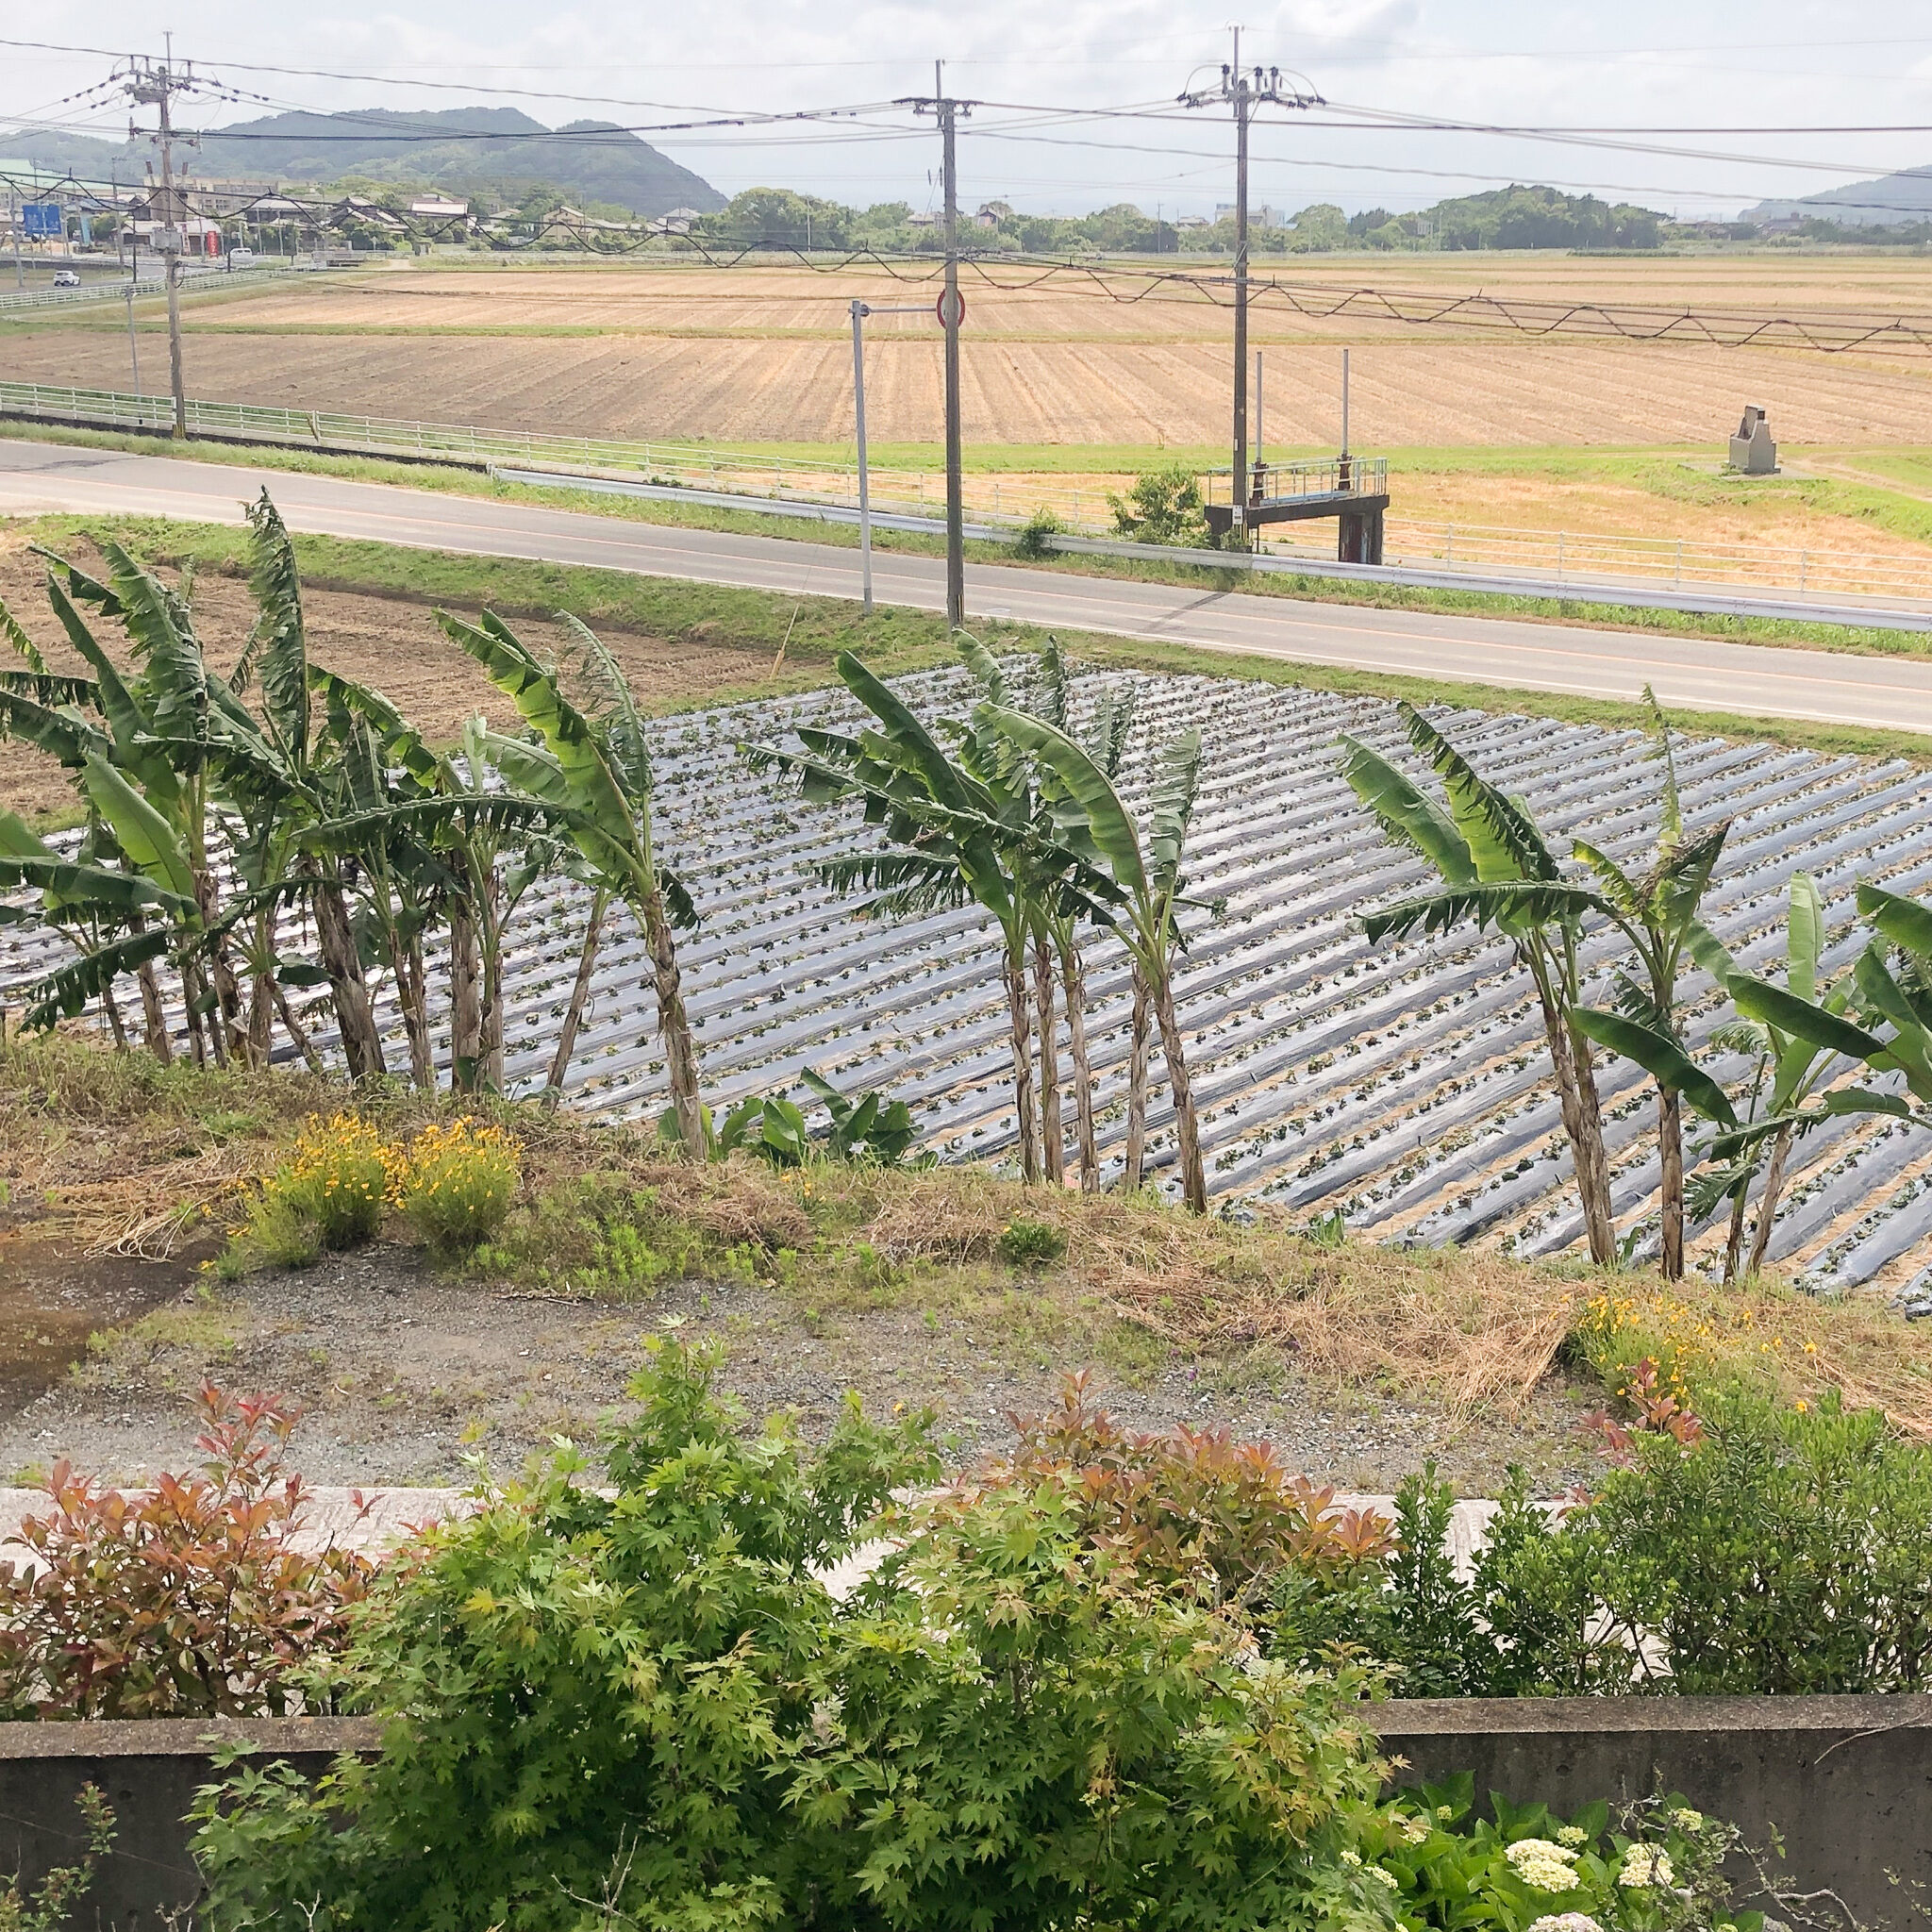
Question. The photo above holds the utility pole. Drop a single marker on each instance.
(152, 84)
(1244, 92)
(952, 312)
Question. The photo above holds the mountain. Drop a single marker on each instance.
(480, 152)
(1906, 196)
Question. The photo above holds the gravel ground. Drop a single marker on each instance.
(404, 1377)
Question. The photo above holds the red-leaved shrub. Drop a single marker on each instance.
(1190, 1504)
(189, 1599)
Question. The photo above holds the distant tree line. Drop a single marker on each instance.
(1514, 217)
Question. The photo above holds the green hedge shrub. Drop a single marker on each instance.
(1783, 1551)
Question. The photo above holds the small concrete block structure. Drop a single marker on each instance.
(1751, 449)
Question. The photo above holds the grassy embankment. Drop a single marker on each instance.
(1898, 513)
(116, 1153)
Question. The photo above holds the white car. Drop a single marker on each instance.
(66, 279)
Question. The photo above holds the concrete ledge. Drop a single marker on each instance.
(1845, 1782)
(1575, 1717)
(190, 1737)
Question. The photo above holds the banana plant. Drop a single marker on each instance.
(293, 782)
(1148, 881)
(72, 889)
(1789, 1069)
(1496, 867)
(604, 696)
(1891, 986)
(1058, 922)
(1658, 912)
(951, 837)
(162, 721)
(867, 1127)
(375, 764)
(572, 772)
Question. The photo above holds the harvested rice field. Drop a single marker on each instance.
(1402, 1086)
(762, 354)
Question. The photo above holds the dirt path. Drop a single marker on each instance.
(404, 1376)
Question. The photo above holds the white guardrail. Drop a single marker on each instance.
(1803, 578)
(200, 282)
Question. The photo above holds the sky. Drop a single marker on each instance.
(1735, 89)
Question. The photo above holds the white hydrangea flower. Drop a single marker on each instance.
(1541, 1865)
(1411, 1830)
(1565, 1921)
(1445, 1812)
(1573, 1836)
(1388, 1878)
(1646, 1865)
(1686, 1820)
(1350, 1856)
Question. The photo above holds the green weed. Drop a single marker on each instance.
(1025, 1243)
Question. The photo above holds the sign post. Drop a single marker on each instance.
(859, 311)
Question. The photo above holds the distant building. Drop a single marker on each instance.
(1262, 217)
(678, 222)
(435, 208)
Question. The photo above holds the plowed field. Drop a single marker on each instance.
(763, 355)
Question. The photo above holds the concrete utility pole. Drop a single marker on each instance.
(1244, 92)
(152, 84)
(951, 308)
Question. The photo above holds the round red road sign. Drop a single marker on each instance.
(938, 308)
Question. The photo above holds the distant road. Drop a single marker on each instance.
(1825, 687)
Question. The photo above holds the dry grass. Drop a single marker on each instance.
(116, 1156)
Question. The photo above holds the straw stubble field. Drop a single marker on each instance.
(763, 356)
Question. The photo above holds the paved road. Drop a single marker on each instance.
(1832, 687)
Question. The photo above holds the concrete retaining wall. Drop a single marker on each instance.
(148, 1771)
(1846, 1780)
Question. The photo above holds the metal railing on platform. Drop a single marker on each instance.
(1281, 482)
